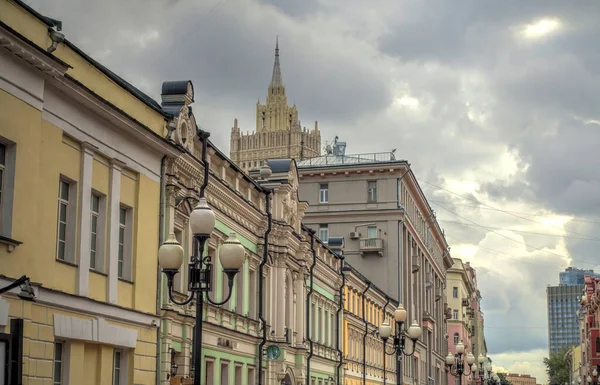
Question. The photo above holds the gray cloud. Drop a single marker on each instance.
(450, 84)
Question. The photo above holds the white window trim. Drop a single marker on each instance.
(71, 220)
(371, 192)
(65, 360)
(324, 228)
(100, 233)
(123, 362)
(323, 193)
(8, 187)
(126, 273)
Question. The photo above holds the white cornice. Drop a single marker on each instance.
(102, 107)
(48, 65)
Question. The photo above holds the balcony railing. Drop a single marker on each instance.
(371, 245)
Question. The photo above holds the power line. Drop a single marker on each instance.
(512, 211)
(505, 255)
(511, 239)
(495, 208)
(521, 231)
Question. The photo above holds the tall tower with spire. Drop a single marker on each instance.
(278, 132)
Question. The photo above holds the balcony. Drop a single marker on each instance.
(371, 245)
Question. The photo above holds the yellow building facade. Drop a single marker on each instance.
(365, 308)
(81, 153)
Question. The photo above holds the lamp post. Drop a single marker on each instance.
(455, 364)
(484, 367)
(385, 332)
(171, 254)
(593, 380)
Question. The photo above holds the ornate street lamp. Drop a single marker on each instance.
(385, 332)
(171, 255)
(455, 364)
(484, 367)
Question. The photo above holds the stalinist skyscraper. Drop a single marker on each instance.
(278, 133)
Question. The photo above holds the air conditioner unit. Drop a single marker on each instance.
(416, 266)
(354, 235)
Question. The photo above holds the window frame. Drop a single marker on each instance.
(323, 193)
(125, 255)
(455, 292)
(371, 191)
(70, 220)
(374, 228)
(7, 186)
(61, 363)
(123, 370)
(324, 227)
(100, 215)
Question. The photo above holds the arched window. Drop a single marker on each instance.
(455, 338)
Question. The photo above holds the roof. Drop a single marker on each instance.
(111, 75)
(345, 160)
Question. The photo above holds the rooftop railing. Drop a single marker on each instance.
(333, 160)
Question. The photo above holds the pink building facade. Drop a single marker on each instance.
(590, 329)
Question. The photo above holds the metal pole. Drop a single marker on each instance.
(384, 358)
(198, 341)
(399, 377)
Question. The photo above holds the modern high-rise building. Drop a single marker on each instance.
(279, 132)
(563, 303)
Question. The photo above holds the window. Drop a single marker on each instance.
(372, 191)
(97, 231)
(58, 363)
(125, 233)
(7, 177)
(95, 216)
(66, 221)
(323, 193)
(252, 294)
(239, 291)
(224, 373)
(324, 233)
(117, 367)
(251, 375)
(455, 292)
(456, 339)
(371, 232)
(454, 314)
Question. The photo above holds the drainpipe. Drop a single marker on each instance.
(365, 335)
(161, 229)
(399, 374)
(260, 286)
(339, 311)
(308, 303)
(388, 299)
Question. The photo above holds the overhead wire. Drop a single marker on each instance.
(512, 239)
(500, 210)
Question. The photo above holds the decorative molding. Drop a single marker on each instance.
(94, 330)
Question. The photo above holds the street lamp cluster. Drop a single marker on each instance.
(385, 332)
(455, 365)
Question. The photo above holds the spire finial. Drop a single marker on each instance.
(276, 79)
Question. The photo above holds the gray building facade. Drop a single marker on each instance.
(390, 235)
(563, 303)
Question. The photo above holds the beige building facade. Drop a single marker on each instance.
(278, 134)
(520, 379)
(391, 237)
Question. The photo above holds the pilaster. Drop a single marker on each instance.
(116, 167)
(85, 197)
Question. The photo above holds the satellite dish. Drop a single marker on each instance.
(273, 352)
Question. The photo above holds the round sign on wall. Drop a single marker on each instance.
(273, 352)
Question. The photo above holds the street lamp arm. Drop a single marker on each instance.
(230, 276)
(414, 347)
(392, 352)
(172, 297)
(469, 372)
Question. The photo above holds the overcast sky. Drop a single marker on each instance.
(495, 103)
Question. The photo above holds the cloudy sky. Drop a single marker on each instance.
(495, 104)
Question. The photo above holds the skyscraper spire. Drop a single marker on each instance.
(276, 79)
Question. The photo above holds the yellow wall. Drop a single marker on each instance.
(33, 29)
(90, 363)
(41, 157)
